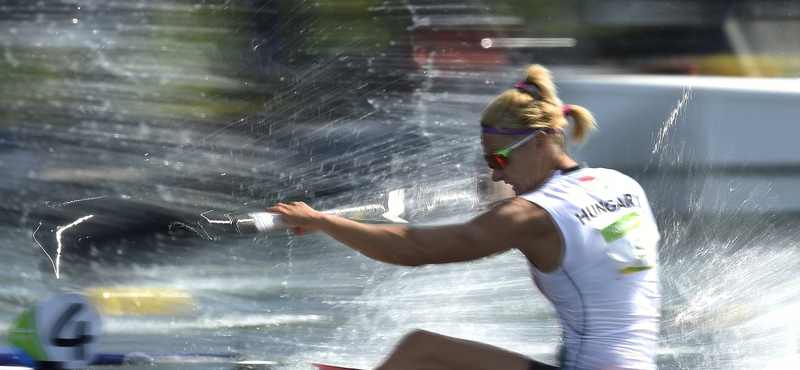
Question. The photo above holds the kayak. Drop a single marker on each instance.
(10, 357)
(63, 332)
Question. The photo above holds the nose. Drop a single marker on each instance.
(497, 175)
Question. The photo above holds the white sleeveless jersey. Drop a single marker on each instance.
(606, 289)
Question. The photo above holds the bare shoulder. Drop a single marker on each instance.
(514, 224)
(520, 206)
(521, 212)
(524, 225)
(518, 220)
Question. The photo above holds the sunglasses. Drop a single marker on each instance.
(499, 159)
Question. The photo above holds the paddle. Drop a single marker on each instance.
(102, 229)
(264, 222)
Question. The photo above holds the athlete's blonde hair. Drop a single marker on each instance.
(534, 103)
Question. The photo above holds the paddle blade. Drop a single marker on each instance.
(129, 300)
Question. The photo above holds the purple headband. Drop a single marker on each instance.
(519, 131)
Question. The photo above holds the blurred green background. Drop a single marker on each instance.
(204, 61)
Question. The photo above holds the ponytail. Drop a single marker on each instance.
(534, 103)
(540, 77)
(584, 122)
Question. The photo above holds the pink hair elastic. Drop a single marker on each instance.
(524, 87)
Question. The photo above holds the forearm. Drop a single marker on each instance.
(397, 244)
(394, 244)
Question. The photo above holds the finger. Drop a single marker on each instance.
(276, 208)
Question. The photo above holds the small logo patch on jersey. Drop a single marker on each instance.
(586, 179)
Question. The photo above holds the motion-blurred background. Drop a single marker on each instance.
(158, 118)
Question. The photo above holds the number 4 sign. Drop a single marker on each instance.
(63, 331)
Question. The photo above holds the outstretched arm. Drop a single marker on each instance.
(505, 227)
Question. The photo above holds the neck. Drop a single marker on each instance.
(566, 163)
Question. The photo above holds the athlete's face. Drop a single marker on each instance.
(527, 166)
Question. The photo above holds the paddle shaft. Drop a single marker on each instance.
(262, 222)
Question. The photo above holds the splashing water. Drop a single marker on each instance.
(660, 143)
(727, 268)
(127, 115)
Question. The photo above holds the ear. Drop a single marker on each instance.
(541, 140)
